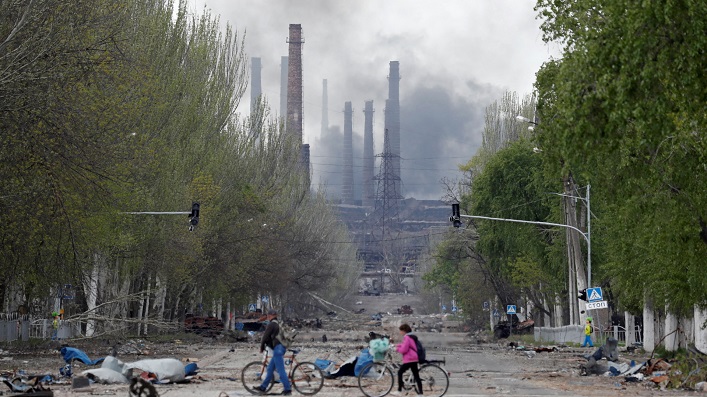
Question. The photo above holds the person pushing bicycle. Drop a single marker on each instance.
(278, 361)
(408, 348)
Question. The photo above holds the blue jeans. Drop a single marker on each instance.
(277, 362)
(588, 341)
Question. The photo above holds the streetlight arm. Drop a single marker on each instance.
(158, 213)
(586, 237)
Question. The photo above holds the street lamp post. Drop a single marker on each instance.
(588, 235)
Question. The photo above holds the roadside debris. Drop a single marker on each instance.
(162, 370)
(71, 354)
(405, 309)
(593, 366)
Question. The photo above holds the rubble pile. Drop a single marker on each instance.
(687, 373)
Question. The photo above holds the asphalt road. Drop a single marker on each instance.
(475, 370)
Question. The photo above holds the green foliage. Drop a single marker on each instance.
(625, 109)
(115, 106)
(512, 186)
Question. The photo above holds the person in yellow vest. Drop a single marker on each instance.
(55, 326)
(588, 330)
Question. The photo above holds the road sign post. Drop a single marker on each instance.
(510, 311)
(595, 294)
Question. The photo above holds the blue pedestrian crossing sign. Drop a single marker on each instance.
(496, 313)
(594, 294)
(251, 307)
(511, 309)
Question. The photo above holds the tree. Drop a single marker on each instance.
(625, 110)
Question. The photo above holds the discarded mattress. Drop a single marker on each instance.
(165, 369)
(112, 371)
(71, 353)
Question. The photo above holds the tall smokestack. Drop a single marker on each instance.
(283, 89)
(392, 119)
(325, 109)
(368, 157)
(347, 186)
(255, 83)
(294, 82)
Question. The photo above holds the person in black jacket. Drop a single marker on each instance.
(278, 357)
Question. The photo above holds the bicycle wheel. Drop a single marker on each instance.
(435, 380)
(375, 380)
(307, 378)
(252, 376)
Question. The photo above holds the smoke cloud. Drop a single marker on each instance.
(456, 57)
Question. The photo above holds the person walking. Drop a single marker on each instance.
(588, 330)
(408, 348)
(277, 361)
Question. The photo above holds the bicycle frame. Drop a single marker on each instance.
(292, 357)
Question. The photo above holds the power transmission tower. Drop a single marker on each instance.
(387, 197)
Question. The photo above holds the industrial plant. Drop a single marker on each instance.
(392, 233)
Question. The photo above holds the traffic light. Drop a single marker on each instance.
(582, 295)
(194, 216)
(456, 217)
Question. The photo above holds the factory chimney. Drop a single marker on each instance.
(295, 115)
(392, 119)
(325, 109)
(255, 83)
(294, 82)
(347, 185)
(368, 156)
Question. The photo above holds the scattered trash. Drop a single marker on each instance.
(530, 353)
(65, 371)
(34, 388)
(635, 377)
(81, 382)
(660, 379)
(616, 369)
(593, 365)
(142, 388)
(71, 354)
(545, 349)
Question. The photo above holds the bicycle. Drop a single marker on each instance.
(377, 378)
(305, 377)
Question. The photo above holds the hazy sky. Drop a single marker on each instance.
(456, 57)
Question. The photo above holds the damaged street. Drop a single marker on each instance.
(211, 366)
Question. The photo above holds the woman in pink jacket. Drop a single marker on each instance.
(408, 348)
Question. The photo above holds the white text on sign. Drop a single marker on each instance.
(597, 305)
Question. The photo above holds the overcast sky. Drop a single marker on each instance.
(456, 57)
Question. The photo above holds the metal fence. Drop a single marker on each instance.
(15, 326)
(575, 334)
(619, 333)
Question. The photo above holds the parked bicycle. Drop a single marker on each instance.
(306, 377)
(377, 378)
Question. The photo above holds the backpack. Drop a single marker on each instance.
(591, 329)
(285, 336)
(421, 353)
